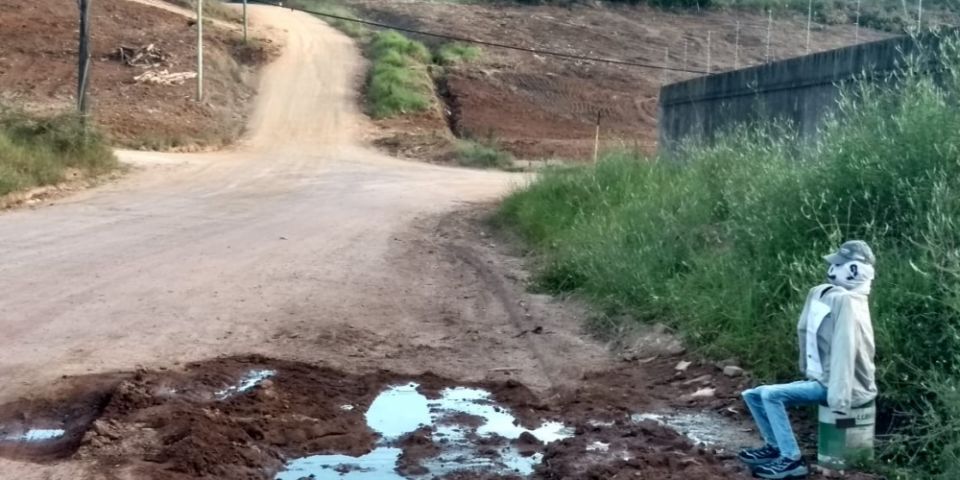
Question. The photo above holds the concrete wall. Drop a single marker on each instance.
(801, 90)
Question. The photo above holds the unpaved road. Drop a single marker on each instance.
(338, 270)
(298, 244)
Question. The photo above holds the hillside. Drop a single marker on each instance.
(540, 106)
(38, 57)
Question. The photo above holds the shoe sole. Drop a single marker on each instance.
(791, 477)
(755, 463)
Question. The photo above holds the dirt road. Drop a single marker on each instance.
(331, 276)
(298, 244)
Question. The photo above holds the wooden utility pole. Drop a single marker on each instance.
(199, 50)
(83, 64)
(596, 141)
(809, 22)
(244, 21)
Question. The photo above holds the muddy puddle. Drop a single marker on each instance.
(255, 418)
(465, 428)
(705, 429)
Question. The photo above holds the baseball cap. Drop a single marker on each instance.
(852, 250)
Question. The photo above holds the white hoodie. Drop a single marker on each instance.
(837, 347)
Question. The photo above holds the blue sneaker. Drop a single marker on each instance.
(759, 456)
(782, 468)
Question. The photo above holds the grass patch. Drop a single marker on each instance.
(39, 151)
(482, 155)
(723, 244)
(399, 81)
(454, 53)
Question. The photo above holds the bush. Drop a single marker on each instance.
(480, 155)
(38, 151)
(454, 53)
(724, 245)
(399, 81)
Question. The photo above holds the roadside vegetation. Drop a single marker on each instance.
(723, 242)
(476, 154)
(454, 53)
(41, 151)
(400, 79)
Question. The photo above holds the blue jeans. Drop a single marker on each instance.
(768, 405)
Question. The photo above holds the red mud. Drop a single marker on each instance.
(176, 425)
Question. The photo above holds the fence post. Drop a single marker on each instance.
(199, 50)
(736, 49)
(856, 34)
(769, 32)
(666, 64)
(596, 140)
(244, 21)
(709, 52)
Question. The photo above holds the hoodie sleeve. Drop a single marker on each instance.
(842, 355)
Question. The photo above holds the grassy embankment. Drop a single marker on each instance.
(36, 152)
(723, 244)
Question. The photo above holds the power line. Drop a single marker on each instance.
(456, 38)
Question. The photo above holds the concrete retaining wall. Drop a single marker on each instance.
(800, 90)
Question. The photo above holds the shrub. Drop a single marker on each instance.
(724, 244)
(482, 155)
(37, 151)
(399, 81)
(454, 53)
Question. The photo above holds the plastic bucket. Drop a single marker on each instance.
(842, 439)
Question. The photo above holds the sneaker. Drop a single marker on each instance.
(759, 456)
(782, 468)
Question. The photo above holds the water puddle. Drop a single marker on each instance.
(401, 410)
(35, 435)
(250, 380)
(703, 428)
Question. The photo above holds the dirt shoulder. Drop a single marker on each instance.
(38, 48)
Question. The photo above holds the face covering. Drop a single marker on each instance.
(854, 276)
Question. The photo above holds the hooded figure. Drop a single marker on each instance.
(835, 335)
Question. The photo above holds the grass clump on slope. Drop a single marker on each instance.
(399, 79)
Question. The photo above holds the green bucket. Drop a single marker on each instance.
(842, 439)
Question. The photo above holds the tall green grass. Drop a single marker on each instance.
(453, 53)
(724, 242)
(38, 151)
(399, 79)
